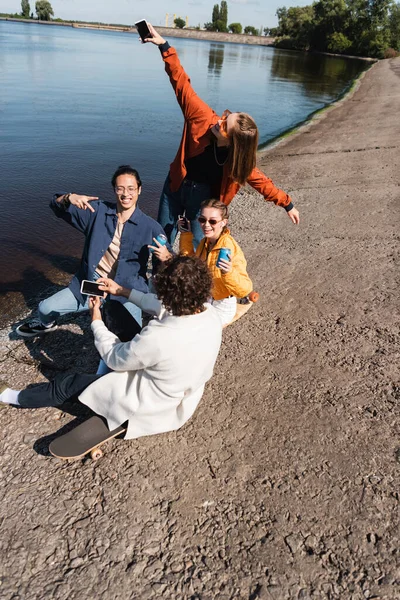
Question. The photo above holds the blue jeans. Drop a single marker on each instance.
(64, 303)
(186, 200)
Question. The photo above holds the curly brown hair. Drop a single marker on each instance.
(183, 284)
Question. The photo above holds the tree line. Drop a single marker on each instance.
(219, 22)
(43, 9)
(360, 27)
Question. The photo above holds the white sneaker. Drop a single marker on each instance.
(34, 328)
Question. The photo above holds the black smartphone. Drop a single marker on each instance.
(184, 222)
(91, 288)
(143, 30)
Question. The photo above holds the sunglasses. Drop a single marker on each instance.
(203, 220)
(223, 126)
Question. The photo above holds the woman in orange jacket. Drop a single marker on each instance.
(230, 278)
(216, 155)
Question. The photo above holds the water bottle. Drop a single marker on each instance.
(161, 239)
(225, 254)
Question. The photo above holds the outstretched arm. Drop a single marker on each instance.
(260, 182)
(75, 209)
(147, 302)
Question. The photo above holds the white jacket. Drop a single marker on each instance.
(159, 376)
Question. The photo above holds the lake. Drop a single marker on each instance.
(77, 103)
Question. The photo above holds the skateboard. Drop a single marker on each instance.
(243, 305)
(84, 439)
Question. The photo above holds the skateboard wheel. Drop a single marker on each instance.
(96, 454)
(254, 296)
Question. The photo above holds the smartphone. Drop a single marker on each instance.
(91, 288)
(143, 30)
(184, 222)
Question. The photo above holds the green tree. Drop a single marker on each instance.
(394, 26)
(338, 43)
(209, 27)
(179, 22)
(25, 9)
(223, 15)
(250, 30)
(215, 16)
(235, 28)
(44, 10)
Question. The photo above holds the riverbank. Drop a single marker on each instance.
(171, 32)
(285, 482)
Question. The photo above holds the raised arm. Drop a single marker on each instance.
(75, 209)
(192, 106)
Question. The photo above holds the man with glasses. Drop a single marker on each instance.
(116, 246)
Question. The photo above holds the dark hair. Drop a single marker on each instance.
(183, 284)
(215, 203)
(126, 170)
(243, 156)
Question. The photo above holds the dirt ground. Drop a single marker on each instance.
(285, 484)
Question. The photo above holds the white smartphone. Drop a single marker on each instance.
(143, 29)
(91, 288)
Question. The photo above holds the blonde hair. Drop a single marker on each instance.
(223, 209)
(244, 143)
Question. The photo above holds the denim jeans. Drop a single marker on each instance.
(64, 303)
(186, 200)
(64, 388)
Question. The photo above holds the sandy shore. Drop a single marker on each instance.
(285, 483)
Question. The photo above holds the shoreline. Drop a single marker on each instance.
(314, 117)
(189, 33)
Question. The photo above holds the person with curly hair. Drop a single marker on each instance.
(158, 377)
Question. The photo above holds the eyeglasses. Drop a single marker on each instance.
(203, 220)
(223, 126)
(129, 190)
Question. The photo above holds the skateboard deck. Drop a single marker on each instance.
(241, 309)
(84, 439)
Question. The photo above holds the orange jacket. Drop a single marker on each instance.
(199, 119)
(237, 282)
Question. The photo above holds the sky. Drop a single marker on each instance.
(247, 12)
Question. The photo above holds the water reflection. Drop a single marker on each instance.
(216, 59)
(317, 74)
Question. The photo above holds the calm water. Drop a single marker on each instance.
(75, 104)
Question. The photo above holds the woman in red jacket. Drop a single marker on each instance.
(216, 156)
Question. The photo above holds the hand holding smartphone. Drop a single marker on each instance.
(91, 288)
(183, 223)
(143, 30)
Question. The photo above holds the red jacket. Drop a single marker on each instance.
(199, 119)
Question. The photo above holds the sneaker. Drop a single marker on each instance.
(34, 328)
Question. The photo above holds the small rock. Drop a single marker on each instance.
(76, 562)
(294, 542)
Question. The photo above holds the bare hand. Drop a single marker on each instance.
(294, 216)
(81, 201)
(156, 39)
(94, 307)
(109, 286)
(184, 225)
(225, 265)
(160, 251)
